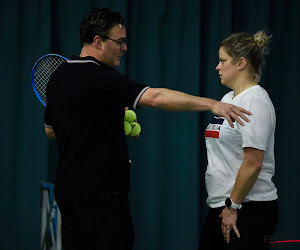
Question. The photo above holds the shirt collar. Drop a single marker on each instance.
(87, 59)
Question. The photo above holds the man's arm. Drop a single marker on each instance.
(172, 100)
(50, 133)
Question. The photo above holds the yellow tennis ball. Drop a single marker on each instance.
(135, 129)
(127, 127)
(130, 116)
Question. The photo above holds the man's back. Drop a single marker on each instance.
(85, 107)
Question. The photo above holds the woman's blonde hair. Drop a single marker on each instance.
(251, 47)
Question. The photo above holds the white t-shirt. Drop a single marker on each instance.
(225, 148)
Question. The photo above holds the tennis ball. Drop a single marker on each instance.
(130, 116)
(135, 129)
(127, 127)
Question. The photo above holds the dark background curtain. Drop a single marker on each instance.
(172, 44)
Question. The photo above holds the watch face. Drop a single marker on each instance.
(228, 202)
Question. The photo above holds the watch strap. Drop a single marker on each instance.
(234, 205)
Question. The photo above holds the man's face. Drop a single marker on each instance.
(113, 50)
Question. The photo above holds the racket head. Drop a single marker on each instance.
(41, 73)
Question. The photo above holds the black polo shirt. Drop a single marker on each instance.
(85, 108)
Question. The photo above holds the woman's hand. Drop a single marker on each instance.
(229, 218)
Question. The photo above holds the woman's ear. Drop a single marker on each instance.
(242, 63)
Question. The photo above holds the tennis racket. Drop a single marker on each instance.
(41, 73)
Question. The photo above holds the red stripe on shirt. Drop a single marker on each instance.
(212, 134)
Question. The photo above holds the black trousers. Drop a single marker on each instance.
(103, 225)
(256, 223)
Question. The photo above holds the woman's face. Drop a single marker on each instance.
(227, 68)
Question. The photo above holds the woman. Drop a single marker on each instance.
(242, 197)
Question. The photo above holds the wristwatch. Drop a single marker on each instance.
(230, 203)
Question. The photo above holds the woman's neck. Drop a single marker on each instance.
(242, 85)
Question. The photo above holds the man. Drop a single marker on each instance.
(92, 177)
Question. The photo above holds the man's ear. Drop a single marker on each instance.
(98, 41)
(242, 63)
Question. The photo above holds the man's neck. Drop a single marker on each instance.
(89, 51)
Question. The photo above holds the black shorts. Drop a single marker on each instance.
(105, 225)
(256, 223)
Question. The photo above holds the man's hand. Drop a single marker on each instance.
(229, 218)
(230, 112)
(50, 133)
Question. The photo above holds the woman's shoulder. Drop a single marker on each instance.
(227, 97)
(257, 93)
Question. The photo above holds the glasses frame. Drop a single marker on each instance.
(121, 43)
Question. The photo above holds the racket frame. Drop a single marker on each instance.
(32, 75)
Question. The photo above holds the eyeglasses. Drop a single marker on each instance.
(121, 42)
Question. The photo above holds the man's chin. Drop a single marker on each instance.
(117, 63)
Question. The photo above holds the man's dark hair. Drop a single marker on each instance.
(99, 21)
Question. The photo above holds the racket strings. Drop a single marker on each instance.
(43, 72)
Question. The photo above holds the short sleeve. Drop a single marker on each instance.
(47, 121)
(256, 133)
(47, 115)
(120, 89)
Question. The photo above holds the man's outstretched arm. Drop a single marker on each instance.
(171, 100)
